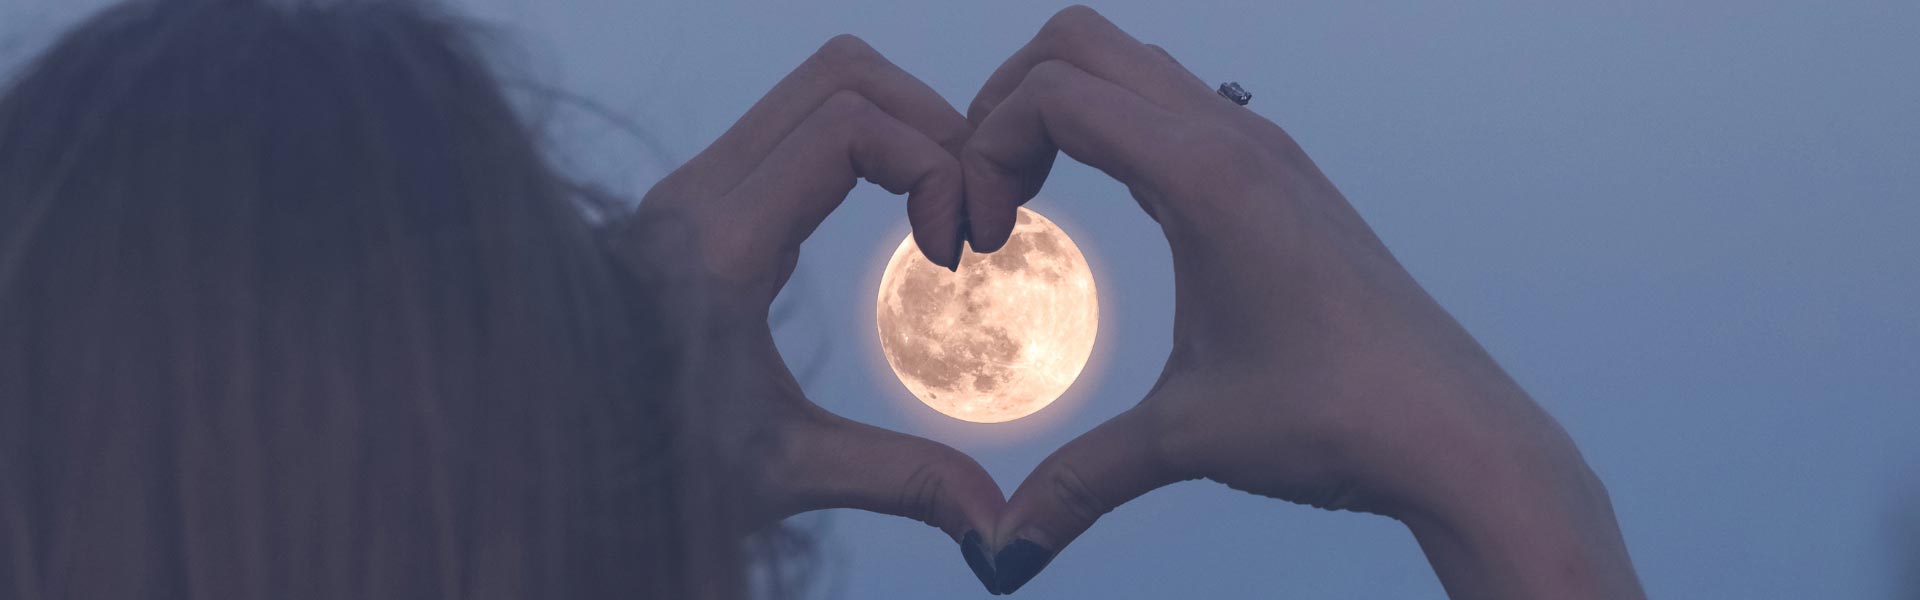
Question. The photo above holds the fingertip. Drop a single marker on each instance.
(1017, 563)
(1072, 489)
(939, 230)
(990, 224)
(991, 240)
(939, 248)
(951, 491)
(1003, 166)
(960, 236)
(973, 549)
(993, 195)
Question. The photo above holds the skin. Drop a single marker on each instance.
(1307, 364)
(716, 239)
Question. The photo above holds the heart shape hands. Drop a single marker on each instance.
(1307, 364)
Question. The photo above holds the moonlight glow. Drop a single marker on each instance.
(1002, 338)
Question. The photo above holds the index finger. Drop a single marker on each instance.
(1092, 45)
(844, 64)
(1059, 107)
(1080, 35)
(808, 175)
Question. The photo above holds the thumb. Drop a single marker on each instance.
(1091, 475)
(841, 463)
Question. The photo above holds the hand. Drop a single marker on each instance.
(1307, 364)
(714, 242)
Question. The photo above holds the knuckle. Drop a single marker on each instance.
(1076, 497)
(981, 159)
(1071, 24)
(1163, 53)
(845, 54)
(954, 135)
(845, 107)
(1050, 71)
(1006, 168)
(1048, 77)
(921, 492)
(939, 171)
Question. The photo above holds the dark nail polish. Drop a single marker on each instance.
(1019, 562)
(960, 243)
(974, 550)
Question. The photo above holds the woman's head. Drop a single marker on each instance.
(291, 306)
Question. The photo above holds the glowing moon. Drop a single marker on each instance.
(999, 340)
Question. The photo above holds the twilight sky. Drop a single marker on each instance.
(1688, 228)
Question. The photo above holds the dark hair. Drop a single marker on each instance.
(292, 306)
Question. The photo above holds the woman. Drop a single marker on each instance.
(291, 306)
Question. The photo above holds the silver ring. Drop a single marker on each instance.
(1232, 91)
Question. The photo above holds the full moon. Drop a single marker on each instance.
(1002, 338)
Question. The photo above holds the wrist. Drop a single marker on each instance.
(1517, 513)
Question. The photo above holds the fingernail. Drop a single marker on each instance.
(1019, 562)
(960, 243)
(975, 551)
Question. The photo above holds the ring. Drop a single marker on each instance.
(1232, 91)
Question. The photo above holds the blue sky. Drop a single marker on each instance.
(1686, 227)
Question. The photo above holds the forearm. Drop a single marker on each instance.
(1520, 515)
